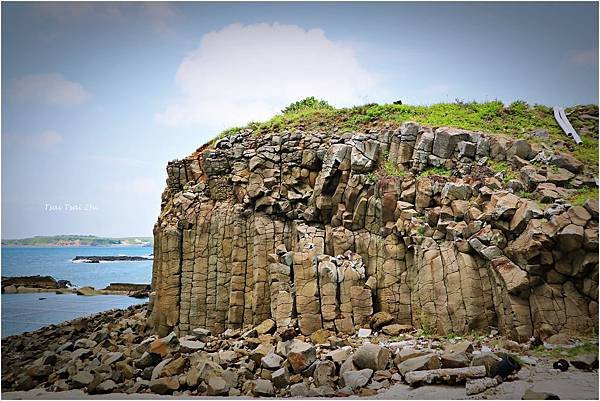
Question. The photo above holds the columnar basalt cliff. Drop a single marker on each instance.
(323, 229)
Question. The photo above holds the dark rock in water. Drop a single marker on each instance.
(45, 282)
(132, 290)
(119, 258)
(561, 365)
(64, 283)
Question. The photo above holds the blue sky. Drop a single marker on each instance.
(97, 97)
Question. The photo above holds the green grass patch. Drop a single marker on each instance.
(525, 194)
(587, 152)
(436, 171)
(515, 120)
(583, 194)
(307, 104)
(390, 168)
(372, 178)
(584, 348)
(503, 167)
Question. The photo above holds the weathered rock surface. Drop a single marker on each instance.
(290, 230)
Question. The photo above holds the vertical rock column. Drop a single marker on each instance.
(308, 304)
(239, 258)
(328, 286)
(167, 273)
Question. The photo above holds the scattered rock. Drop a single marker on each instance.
(425, 362)
(301, 355)
(538, 395)
(267, 326)
(585, 361)
(505, 367)
(357, 379)
(271, 361)
(364, 333)
(451, 376)
(371, 356)
(263, 388)
(380, 319)
(396, 329)
(164, 385)
(476, 386)
(280, 378)
(561, 365)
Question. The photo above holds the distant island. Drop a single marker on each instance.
(78, 240)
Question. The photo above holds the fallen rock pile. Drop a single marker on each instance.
(113, 352)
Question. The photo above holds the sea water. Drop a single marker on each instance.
(27, 312)
(57, 262)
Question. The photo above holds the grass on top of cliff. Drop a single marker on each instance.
(515, 120)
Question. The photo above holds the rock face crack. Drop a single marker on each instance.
(309, 229)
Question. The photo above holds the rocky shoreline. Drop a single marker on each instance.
(115, 352)
(29, 284)
(119, 258)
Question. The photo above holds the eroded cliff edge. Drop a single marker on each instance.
(443, 228)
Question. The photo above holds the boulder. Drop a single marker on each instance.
(300, 355)
(371, 356)
(456, 191)
(585, 361)
(106, 386)
(485, 359)
(380, 319)
(397, 329)
(201, 333)
(82, 379)
(84, 343)
(164, 346)
(407, 353)
(566, 161)
(357, 379)
(164, 385)
(271, 361)
(321, 336)
(190, 346)
(267, 326)
(324, 374)
(281, 378)
(86, 291)
(299, 390)
(216, 386)
(519, 148)
(570, 237)
(455, 360)
(425, 362)
(262, 388)
(338, 355)
(449, 376)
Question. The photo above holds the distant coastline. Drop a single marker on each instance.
(78, 241)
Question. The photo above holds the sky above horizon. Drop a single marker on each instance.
(98, 97)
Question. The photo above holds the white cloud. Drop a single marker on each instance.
(47, 140)
(584, 57)
(249, 72)
(52, 89)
